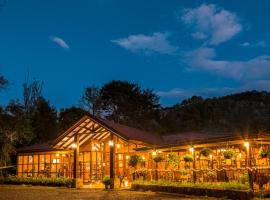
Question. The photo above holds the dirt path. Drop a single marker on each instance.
(49, 193)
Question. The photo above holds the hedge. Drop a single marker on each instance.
(42, 181)
(195, 190)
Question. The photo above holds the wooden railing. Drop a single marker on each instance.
(257, 178)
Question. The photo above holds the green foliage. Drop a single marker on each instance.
(157, 158)
(106, 180)
(188, 158)
(228, 154)
(206, 152)
(58, 182)
(242, 112)
(234, 185)
(263, 153)
(173, 159)
(134, 160)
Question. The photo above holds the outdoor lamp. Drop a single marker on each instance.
(111, 143)
(246, 144)
(74, 146)
(126, 184)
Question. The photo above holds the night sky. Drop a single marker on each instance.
(177, 48)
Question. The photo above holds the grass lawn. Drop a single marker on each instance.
(12, 192)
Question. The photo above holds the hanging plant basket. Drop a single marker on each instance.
(206, 152)
(134, 160)
(263, 154)
(188, 158)
(228, 154)
(158, 158)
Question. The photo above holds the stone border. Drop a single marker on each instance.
(219, 193)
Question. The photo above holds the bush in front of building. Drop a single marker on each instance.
(42, 181)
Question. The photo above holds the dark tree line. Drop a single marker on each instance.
(35, 120)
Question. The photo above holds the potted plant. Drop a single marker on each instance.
(107, 182)
(228, 154)
(188, 158)
(263, 153)
(206, 152)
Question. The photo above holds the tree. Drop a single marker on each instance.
(15, 130)
(68, 116)
(91, 101)
(31, 92)
(3, 82)
(127, 103)
(44, 120)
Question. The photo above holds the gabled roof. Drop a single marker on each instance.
(90, 127)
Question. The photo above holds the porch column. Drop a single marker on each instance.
(194, 166)
(111, 145)
(76, 174)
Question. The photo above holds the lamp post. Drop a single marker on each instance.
(192, 151)
(75, 146)
(111, 146)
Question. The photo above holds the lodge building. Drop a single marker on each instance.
(94, 147)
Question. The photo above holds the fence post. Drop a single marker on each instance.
(250, 179)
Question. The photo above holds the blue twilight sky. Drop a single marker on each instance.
(178, 48)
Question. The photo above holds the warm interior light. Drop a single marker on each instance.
(159, 151)
(57, 155)
(240, 155)
(191, 149)
(127, 157)
(120, 156)
(211, 156)
(143, 157)
(126, 184)
(74, 146)
(154, 153)
(246, 144)
(111, 143)
(118, 146)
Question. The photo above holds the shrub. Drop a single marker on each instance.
(134, 160)
(228, 154)
(58, 182)
(188, 158)
(173, 159)
(106, 181)
(206, 152)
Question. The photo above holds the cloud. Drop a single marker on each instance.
(156, 43)
(212, 23)
(252, 69)
(257, 44)
(181, 93)
(62, 43)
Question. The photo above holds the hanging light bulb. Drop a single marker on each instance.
(111, 143)
(74, 146)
